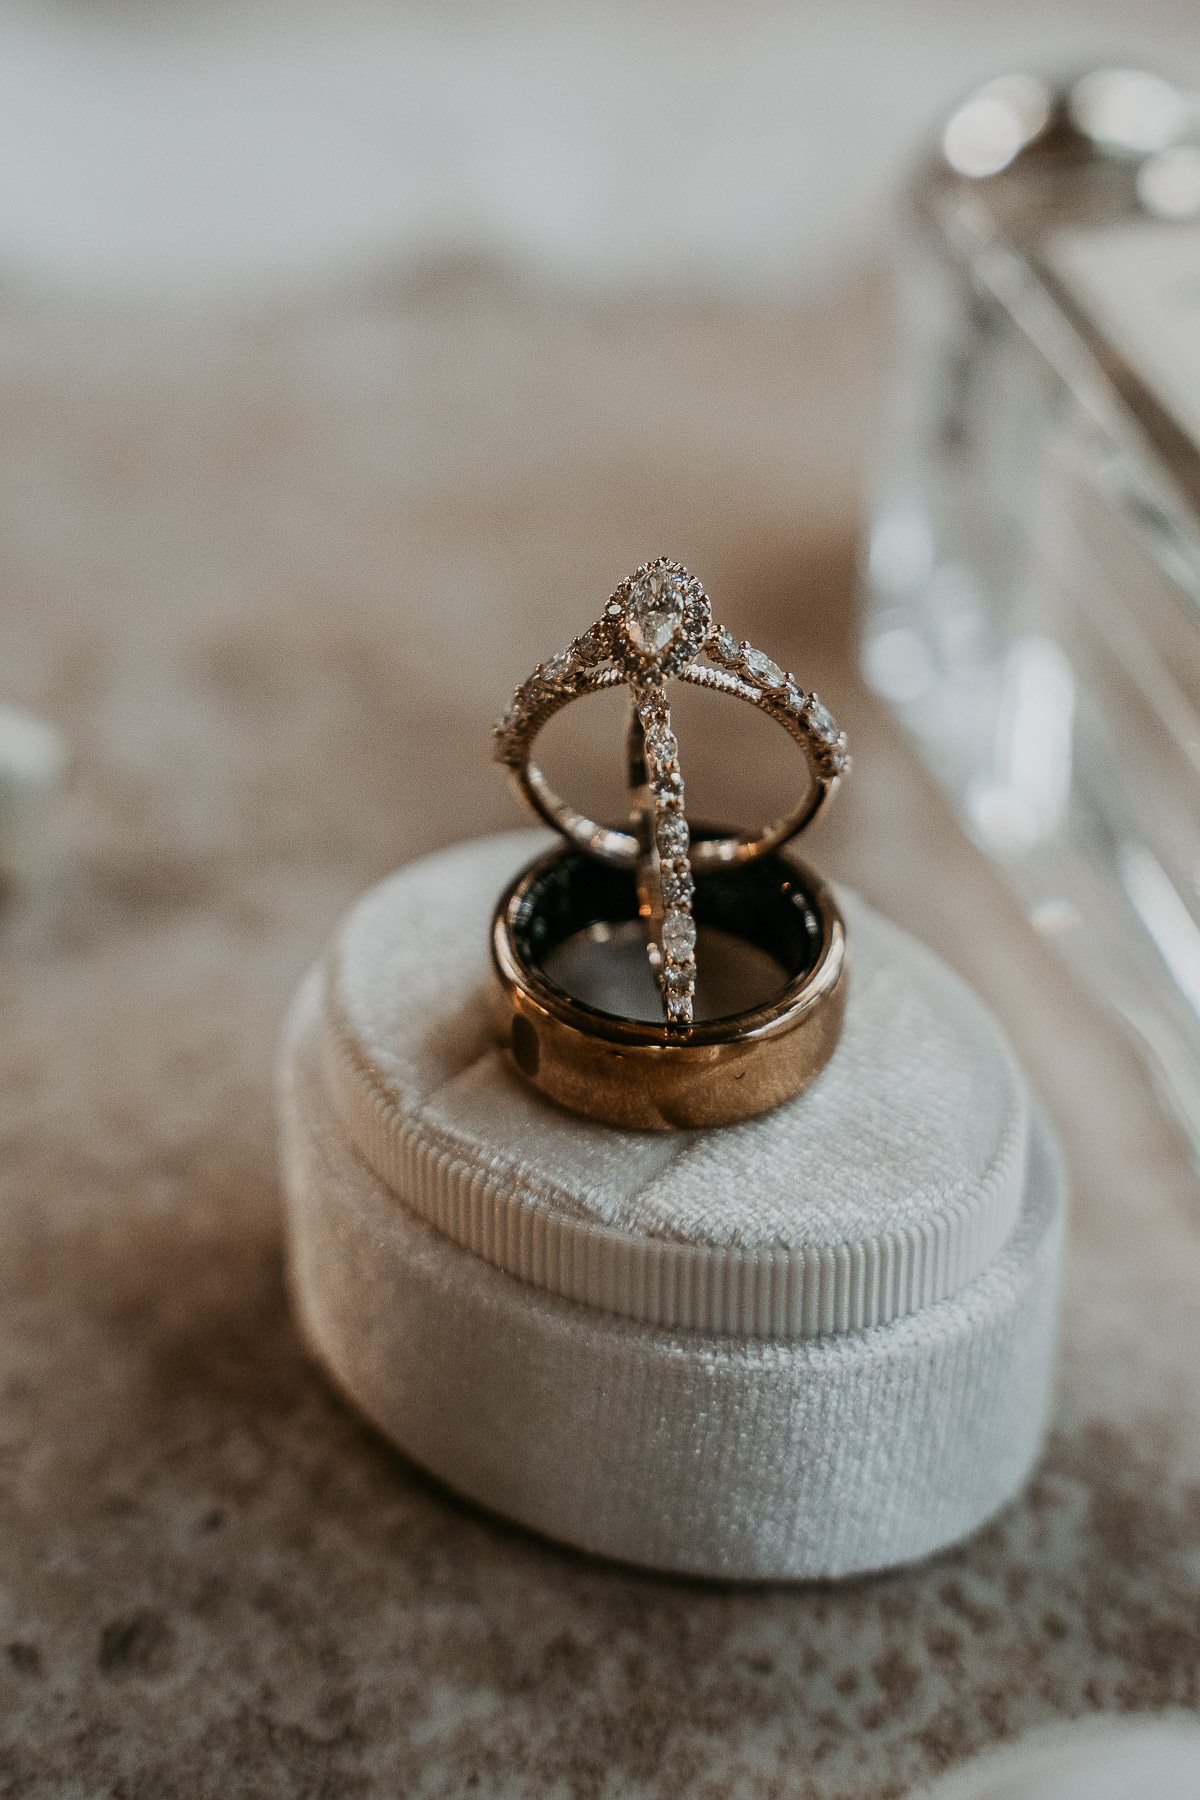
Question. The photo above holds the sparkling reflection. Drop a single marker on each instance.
(997, 121)
(1129, 109)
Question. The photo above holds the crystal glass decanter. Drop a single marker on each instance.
(1033, 585)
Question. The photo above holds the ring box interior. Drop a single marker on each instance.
(813, 1344)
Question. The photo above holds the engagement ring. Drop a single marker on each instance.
(654, 628)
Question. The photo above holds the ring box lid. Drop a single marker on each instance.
(887, 1186)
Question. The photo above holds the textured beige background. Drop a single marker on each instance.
(275, 575)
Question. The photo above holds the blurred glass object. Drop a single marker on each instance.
(1129, 110)
(1033, 580)
(1168, 184)
(996, 122)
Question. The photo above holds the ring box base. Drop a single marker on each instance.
(803, 1453)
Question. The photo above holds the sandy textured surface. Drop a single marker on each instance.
(274, 575)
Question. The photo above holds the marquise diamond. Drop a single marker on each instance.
(591, 648)
(821, 722)
(726, 647)
(763, 670)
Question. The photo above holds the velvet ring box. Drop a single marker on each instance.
(813, 1344)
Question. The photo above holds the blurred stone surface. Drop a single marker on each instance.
(33, 761)
(275, 575)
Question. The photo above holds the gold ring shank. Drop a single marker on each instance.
(636, 1074)
(622, 848)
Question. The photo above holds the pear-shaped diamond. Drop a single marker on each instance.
(654, 613)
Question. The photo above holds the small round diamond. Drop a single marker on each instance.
(677, 884)
(679, 935)
(672, 835)
(764, 671)
(667, 784)
(661, 743)
(679, 1009)
(654, 614)
(676, 980)
(839, 760)
(795, 697)
(821, 722)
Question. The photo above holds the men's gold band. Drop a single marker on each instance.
(635, 1073)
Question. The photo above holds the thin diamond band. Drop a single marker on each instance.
(665, 882)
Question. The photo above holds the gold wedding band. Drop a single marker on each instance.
(634, 1073)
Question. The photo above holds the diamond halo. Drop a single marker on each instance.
(662, 617)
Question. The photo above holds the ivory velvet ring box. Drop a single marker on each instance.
(812, 1344)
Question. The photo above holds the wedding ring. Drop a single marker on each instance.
(635, 1073)
(655, 626)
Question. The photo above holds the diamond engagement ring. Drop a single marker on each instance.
(655, 626)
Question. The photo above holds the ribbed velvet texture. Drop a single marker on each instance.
(540, 1384)
(886, 1187)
